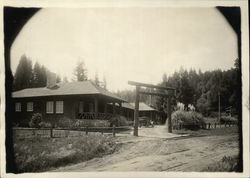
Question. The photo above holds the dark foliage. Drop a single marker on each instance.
(28, 77)
(202, 89)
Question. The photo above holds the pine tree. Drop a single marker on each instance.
(104, 83)
(24, 75)
(97, 82)
(58, 78)
(80, 72)
(36, 75)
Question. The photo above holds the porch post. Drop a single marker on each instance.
(96, 107)
(120, 108)
(114, 108)
(105, 107)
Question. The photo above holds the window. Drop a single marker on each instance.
(18, 107)
(30, 106)
(59, 107)
(49, 107)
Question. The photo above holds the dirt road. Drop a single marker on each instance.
(162, 152)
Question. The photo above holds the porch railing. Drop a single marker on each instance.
(93, 115)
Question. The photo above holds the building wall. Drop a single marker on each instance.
(70, 107)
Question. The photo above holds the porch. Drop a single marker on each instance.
(97, 107)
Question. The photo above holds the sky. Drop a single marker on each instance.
(122, 44)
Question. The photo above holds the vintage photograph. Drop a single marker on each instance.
(155, 89)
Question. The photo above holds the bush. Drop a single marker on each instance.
(90, 123)
(228, 119)
(119, 121)
(188, 119)
(213, 114)
(227, 164)
(59, 122)
(36, 120)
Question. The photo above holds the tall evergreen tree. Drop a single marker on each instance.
(80, 72)
(36, 75)
(39, 76)
(97, 82)
(23, 76)
(58, 78)
(104, 83)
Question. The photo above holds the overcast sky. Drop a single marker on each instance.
(138, 44)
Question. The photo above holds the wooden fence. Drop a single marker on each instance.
(204, 126)
(64, 132)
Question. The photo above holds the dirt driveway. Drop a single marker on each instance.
(155, 150)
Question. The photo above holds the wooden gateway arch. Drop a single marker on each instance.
(166, 92)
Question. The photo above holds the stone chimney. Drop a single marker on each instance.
(51, 79)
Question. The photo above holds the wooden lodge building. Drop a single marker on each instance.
(75, 100)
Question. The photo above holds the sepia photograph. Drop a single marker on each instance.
(139, 89)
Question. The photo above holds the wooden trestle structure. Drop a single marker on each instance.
(166, 92)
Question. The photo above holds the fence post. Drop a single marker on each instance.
(86, 130)
(51, 132)
(215, 125)
(209, 125)
(102, 130)
(113, 130)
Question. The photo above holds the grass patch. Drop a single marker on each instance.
(43, 154)
(226, 164)
(213, 132)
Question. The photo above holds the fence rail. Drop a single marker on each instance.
(64, 132)
(204, 126)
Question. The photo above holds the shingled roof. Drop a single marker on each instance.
(142, 106)
(70, 88)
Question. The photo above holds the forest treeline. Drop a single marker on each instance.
(200, 89)
(29, 76)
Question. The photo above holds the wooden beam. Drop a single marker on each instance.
(136, 112)
(154, 93)
(114, 111)
(120, 108)
(149, 85)
(169, 115)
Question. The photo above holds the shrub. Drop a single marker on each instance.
(213, 114)
(118, 120)
(45, 124)
(188, 119)
(90, 123)
(36, 120)
(227, 164)
(64, 122)
(228, 119)
(59, 122)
